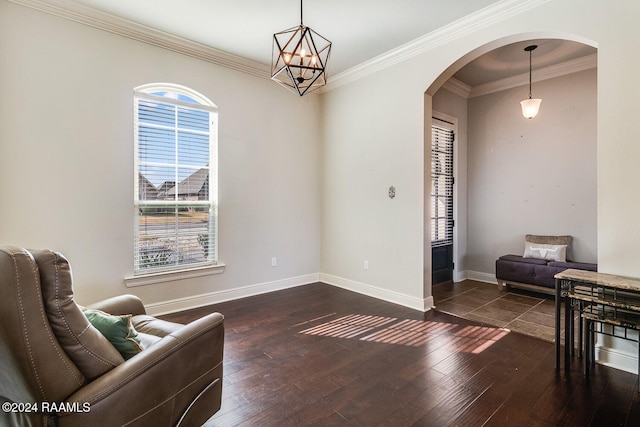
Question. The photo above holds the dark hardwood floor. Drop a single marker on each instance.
(318, 355)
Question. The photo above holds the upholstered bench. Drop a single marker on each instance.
(544, 257)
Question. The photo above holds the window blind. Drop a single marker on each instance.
(442, 138)
(175, 218)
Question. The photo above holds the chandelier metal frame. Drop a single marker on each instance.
(300, 57)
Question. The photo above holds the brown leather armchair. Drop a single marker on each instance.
(56, 369)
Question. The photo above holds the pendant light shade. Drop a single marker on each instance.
(300, 57)
(531, 106)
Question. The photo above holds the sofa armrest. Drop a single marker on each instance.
(159, 383)
(121, 304)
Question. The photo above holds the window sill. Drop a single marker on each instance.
(170, 276)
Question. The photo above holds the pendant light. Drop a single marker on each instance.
(530, 107)
(300, 57)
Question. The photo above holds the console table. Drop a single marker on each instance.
(603, 299)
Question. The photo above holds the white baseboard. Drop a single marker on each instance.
(180, 304)
(187, 303)
(426, 304)
(419, 304)
(614, 358)
(459, 276)
(481, 277)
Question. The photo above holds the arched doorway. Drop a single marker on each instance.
(484, 228)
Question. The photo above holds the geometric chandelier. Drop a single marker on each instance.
(299, 58)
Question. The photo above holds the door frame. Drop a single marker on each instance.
(450, 122)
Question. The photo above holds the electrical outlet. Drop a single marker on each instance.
(366, 264)
(274, 262)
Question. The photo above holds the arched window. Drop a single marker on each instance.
(175, 179)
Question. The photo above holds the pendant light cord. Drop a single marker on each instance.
(530, 73)
(301, 13)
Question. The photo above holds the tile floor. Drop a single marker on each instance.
(526, 312)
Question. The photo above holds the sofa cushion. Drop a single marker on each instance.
(118, 330)
(533, 271)
(525, 270)
(577, 265)
(158, 327)
(147, 340)
(544, 251)
(85, 345)
(519, 258)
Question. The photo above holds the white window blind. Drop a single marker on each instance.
(442, 137)
(175, 195)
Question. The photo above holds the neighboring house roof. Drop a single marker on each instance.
(146, 189)
(166, 186)
(193, 185)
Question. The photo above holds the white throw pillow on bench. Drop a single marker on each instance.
(548, 252)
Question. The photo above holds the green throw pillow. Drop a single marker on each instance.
(118, 330)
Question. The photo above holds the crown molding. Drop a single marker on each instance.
(490, 15)
(114, 24)
(557, 70)
(497, 12)
(456, 86)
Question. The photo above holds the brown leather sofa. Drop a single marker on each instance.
(56, 369)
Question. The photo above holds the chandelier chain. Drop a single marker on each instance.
(530, 96)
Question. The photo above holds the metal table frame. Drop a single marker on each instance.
(600, 299)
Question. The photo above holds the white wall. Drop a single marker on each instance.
(66, 158)
(374, 137)
(370, 131)
(533, 176)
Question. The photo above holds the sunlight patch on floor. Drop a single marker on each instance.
(391, 330)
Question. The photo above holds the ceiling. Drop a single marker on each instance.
(359, 29)
(512, 59)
